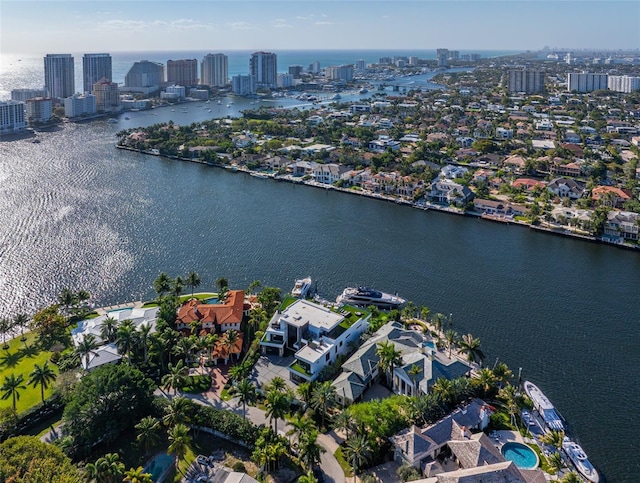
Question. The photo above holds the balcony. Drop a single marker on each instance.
(296, 366)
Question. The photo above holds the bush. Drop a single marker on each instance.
(226, 422)
(239, 467)
(408, 473)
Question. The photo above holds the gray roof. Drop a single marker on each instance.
(505, 472)
(225, 475)
(349, 386)
(478, 450)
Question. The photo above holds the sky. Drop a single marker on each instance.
(54, 26)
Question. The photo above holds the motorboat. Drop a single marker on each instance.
(301, 288)
(544, 407)
(579, 458)
(363, 91)
(112, 120)
(336, 97)
(365, 296)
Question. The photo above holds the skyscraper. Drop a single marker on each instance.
(586, 82)
(264, 66)
(214, 70)
(144, 76)
(525, 80)
(59, 75)
(94, 68)
(183, 72)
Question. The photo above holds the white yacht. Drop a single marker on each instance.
(579, 458)
(544, 407)
(301, 288)
(365, 296)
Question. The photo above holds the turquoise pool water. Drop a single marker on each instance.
(523, 456)
(212, 300)
(158, 465)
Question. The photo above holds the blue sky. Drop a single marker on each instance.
(39, 27)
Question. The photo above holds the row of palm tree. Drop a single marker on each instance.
(42, 375)
(163, 284)
(109, 469)
(8, 326)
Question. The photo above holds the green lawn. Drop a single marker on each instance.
(183, 299)
(346, 467)
(197, 384)
(20, 358)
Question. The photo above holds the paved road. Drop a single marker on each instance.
(328, 463)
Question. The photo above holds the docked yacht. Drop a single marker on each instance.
(364, 296)
(579, 458)
(544, 407)
(301, 288)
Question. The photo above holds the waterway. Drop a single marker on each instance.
(76, 212)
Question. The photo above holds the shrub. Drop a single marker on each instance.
(239, 467)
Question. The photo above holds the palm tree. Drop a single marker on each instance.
(413, 371)
(553, 438)
(253, 285)
(555, 462)
(222, 283)
(276, 384)
(230, 338)
(571, 477)
(324, 396)
(308, 478)
(183, 348)
(179, 442)
(450, 337)
(247, 393)
(67, 299)
(86, 347)
(21, 320)
(443, 389)
(471, 346)
(107, 469)
(358, 450)
(389, 358)
(162, 284)
(177, 412)
(486, 379)
(256, 317)
(126, 338)
(5, 327)
(11, 388)
(137, 475)
(502, 373)
(509, 396)
(310, 450)
(42, 376)
(424, 312)
(175, 378)
(177, 286)
(305, 391)
(144, 331)
(344, 420)
(148, 432)
(277, 404)
(108, 329)
(300, 424)
(193, 281)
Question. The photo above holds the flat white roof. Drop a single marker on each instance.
(313, 352)
(302, 312)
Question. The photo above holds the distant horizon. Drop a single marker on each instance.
(224, 25)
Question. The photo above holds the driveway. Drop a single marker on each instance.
(269, 367)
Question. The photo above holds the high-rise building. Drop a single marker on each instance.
(94, 68)
(314, 67)
(341, 72)
(78, 105)
(443, 57)
(144, 76)
(264, 67)
(295, 71)
(39, 109)
(183, 72)
(214, 70)
(285, 80)
(243, 85)
(586, 82)
(384, 60)
(624, 83)
(529, 81)
(107, 96)
(59, 78)
(23, 95)
(12, 118)
(361, 65)
(413, 60)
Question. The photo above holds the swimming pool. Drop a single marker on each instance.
(521, 454)
(159, 465)
(210, 301)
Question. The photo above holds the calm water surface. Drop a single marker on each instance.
(76, 212)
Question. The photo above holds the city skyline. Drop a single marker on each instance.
(63, 26)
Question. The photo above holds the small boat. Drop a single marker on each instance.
(544, 407)
(336, 97)
(36, 141)
(579, 458)
(112, 120)
(228, 105)
(126, 118)
(301, 288)
(365, 296)
(363, 91)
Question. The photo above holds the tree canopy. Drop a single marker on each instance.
(26, 459)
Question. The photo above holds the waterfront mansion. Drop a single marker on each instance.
(317, 333)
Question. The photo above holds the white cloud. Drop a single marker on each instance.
(324, 23)
(241, 26)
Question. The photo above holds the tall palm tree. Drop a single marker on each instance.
(193, 281)
(486, 379)
(11, 388)
(389, 358)
(42, 376)
(231, 337)
(222, 283)
(144, 332)
(253, 285)
(555, 462)
(324, 396)
(108, 329)
(126, 338)
(5, 327)
(509, 397)
(470, 346)
(276, 384)
(443, 389)
(148, 436)
(300, 424)
(305, 391)
(177, 287)
(277, 404)
(413, 371)
(175, 378)
(137, 475)
(21, 321)
(424, 312)
(553, 438)
(309, 448)
(162, 284)
(247, 393)
(450, 337)
(179, 442)
(86, 347)
(67, 299)
(177, 412)
(358, 450)
(502, 373)
(344, 420)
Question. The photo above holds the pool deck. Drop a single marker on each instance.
(504, 436)
(131, 305)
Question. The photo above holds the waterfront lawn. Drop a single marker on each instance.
(183, 299)
(20, 359)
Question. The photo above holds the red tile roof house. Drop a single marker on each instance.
(215, 318)
(610, 195)
(528, 184)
